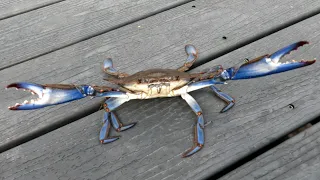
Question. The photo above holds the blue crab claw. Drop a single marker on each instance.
(268, 64)
(49, 94)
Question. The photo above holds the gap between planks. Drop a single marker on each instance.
(95, 107)
(261, 35)
(19, 12)
(264, 149)
(136, 19)
(299, 154)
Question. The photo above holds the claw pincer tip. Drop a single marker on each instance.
(47, 95)
(269, 64)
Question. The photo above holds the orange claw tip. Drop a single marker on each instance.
(310, 62)
(11, 85)
(16, 85)
(303, 42)
(12, 107)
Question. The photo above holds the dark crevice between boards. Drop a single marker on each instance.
(29, 10)
(264, 149)
(104, 31)
(261, 35)
(44, 130)
(89, 110)
(94, 108)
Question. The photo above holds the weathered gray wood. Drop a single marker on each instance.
(52, 27)
(152, 149)
(10, 8)
(151, 43)
(297, 158)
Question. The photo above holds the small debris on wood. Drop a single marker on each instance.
(299, 130)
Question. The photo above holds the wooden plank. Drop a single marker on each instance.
(10, 8)
(49, 28)
(151, 43)
(297, 158)
(152, 149)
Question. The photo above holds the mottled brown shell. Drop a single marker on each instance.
(154, 82)
(154, 75)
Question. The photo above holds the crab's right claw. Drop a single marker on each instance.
(49, 94)
(268, 64)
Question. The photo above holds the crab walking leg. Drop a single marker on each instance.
(118, 125)
(192, 54)
(198, 141)
(104, 132)
(111, 104)
(109, 69)
(228, 99)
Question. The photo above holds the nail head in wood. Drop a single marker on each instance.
(291, 106)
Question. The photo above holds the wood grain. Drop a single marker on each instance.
(152, 149)
(47, 29)
(298, 159)
(10, 8)
(155, 42)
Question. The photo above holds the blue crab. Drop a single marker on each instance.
(156, 83)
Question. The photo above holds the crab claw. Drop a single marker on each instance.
(49, 94)
(268, 64)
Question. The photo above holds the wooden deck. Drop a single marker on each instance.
(65, 41)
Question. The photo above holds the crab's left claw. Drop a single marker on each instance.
(267, 64)
(49, 94)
